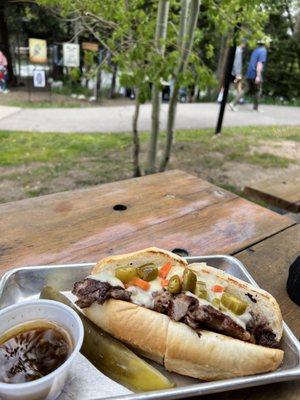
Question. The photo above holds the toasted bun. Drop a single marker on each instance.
(175, 345)
(209, 356)
(152, 254)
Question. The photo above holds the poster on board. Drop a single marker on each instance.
(71, 55)
(37, 50)
(39, 78)
(90, 46)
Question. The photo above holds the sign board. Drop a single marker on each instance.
(37, 51)
(90, 46)
(71, 55)
(39, 78)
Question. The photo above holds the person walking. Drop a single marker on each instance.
(236, 76)
(255, 70)
(3, 73)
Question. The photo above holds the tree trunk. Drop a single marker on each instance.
(4, 40)
(184, 8)
(135, 137)
(98, 84)
(160, 36)
(187, 43)
(113, 81)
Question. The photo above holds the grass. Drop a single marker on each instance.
(24, 148)
(33, 164)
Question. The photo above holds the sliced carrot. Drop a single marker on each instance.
(165, 269)
(217, 289)
(164, 282)
(140, 283)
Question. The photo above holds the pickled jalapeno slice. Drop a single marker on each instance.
(147, 272)
(201, 291)
(216, 302)
(174, 285)
(233, 303)
(189, 281)
(125, 274)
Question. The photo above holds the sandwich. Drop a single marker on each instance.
(194, 319)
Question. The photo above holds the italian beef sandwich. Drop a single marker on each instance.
(194, 319)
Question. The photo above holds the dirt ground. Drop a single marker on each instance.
(38, 178)
(239, 174)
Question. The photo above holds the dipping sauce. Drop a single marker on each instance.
(32, 350)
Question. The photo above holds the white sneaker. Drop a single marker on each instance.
(220, 97)
(5, 91)
(258, 110)
(232, 107)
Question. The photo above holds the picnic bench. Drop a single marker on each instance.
(173, 210)
(281, 191)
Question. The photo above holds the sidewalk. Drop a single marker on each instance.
(119, 118)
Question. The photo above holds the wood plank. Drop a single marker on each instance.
(46, 229)
(268, 263)
(218, 229)
(282, 191)
(200, 218)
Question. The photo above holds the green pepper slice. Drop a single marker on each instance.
(174, 285)
(201, 291)
(147, 272)
(233, 303)
(125, 274)
(189, 281)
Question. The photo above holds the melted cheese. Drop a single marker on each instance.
(107, 276)
(145, 297)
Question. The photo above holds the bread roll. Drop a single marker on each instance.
(204, 355)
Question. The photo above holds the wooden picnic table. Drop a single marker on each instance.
(283, 191)
(172, 210)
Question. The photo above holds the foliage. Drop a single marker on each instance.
(27, 19)
(283, 66)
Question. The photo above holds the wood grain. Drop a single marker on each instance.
(169, 210)
(282, 191)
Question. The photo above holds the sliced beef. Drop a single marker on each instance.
(179, 306)
(92, 290)
(183, 308)
(119, 294)
(161, 301)
(208, 317)
(267, 338)
(260, 330)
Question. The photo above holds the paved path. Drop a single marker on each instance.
(118, 119)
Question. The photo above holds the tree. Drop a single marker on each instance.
(152, 41)
(188, 22)
(283, 64)
(159, 43)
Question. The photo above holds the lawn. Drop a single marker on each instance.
(32, 164)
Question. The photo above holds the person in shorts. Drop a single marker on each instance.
(237, 77)
(254, 73)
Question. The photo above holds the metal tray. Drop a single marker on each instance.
(26, 283)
